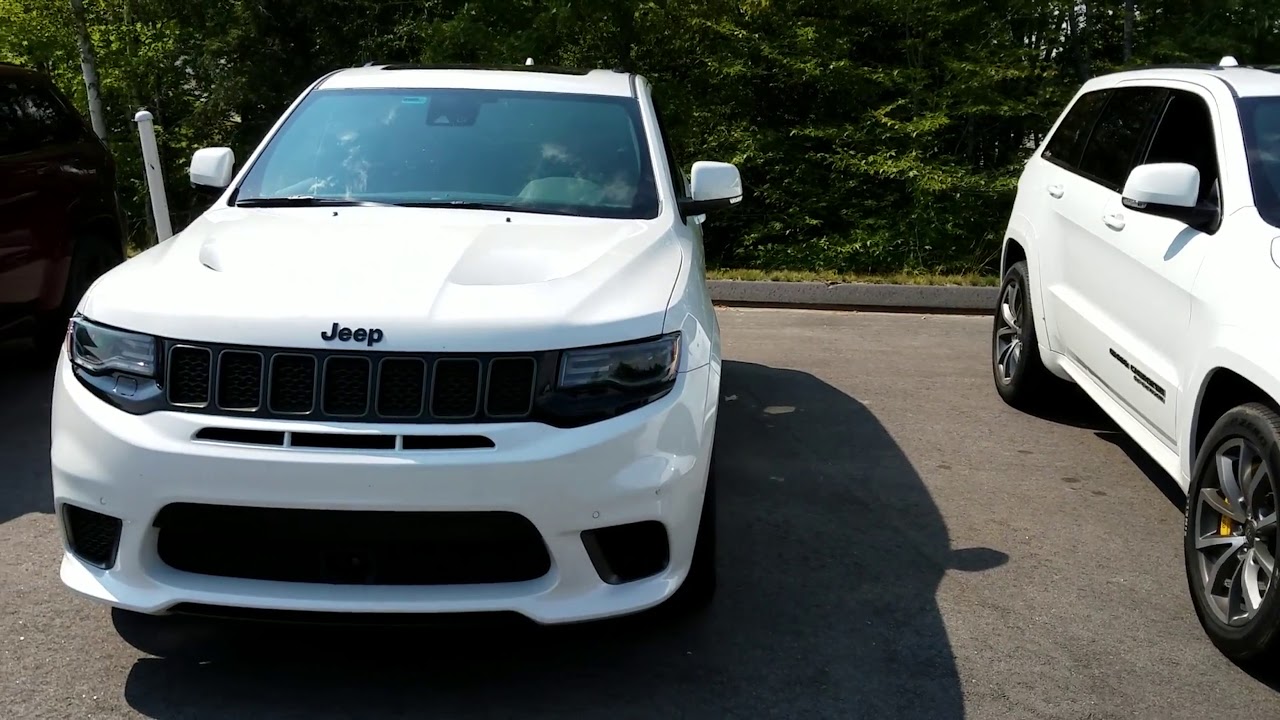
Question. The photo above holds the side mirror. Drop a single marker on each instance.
(713, 186)
(1168, 184)
(1171, 190)
(212, 169)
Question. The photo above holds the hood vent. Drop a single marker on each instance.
(209, 256)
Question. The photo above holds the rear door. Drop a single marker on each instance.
(51, 172)
(1061, 200)
(20, 199)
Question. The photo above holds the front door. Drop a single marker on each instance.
(1094, 271)
(1157, 259)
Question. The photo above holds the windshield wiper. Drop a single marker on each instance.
(477, 205)
(306, 201)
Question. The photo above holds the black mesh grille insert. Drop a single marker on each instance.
(402, 386)
(351, 547)
(510, 387)
(239, 380)
(455, 388)
(293, 383)
(189, 375)
(92, 536)
(346, 386)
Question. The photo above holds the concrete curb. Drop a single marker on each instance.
(952, 299)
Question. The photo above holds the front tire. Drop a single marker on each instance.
(1020, 376)
(1230, 534)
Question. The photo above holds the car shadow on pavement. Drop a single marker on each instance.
(1069, 405)
(26, 387)
(831, 551)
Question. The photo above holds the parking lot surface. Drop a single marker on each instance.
(894, 543)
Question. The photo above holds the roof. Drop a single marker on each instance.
(506, 77)
(1244, 80)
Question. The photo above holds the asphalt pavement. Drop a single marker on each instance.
(894, 543)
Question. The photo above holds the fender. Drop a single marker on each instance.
(1021, 231)
(1232, 349)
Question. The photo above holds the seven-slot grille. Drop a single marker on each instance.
(380, 387)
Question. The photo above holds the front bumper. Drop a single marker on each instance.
(646, 465)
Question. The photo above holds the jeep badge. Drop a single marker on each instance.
(370, 336)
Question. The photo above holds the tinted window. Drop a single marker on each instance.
(12, 131)
(1119, 133)
(537, 152)
(31, 116)
(1072, 133)
(1185, 135)
(1260, 120)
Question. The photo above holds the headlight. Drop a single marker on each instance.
(101, 349)
(593, 384)
(635, 366)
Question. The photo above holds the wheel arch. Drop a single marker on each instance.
(1222, 388)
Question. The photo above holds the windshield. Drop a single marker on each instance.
(1260, 119)
(493, 149)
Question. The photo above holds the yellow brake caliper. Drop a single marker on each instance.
(1224, 526)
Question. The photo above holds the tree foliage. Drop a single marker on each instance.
(877, 135)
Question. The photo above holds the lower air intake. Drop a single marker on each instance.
(351, 547)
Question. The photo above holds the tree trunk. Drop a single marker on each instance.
(1128, 30)
(89, 67)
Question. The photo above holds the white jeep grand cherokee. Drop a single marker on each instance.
(1142, 262)
(443, 344)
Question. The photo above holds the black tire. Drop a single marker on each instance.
(1027, 381)
(91, 258)
(699, 587)
(1255, 639)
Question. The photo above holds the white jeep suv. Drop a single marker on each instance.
(1142, 262)
(443, 344)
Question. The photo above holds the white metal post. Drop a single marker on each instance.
(155, 178)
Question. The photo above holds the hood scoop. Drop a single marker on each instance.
(209, 255)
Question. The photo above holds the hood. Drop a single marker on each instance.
(432, 280)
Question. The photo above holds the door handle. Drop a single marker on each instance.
(1055, 190)
(1115, 221)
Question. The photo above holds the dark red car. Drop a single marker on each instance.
(60, 220)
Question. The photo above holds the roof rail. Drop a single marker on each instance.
(480, 66)
(1176, 66)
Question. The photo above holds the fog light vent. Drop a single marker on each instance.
(623, 553)
(93, 537)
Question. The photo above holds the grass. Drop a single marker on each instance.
(902, 278)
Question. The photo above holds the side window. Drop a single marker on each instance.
(14, 137)
(51, 121)
(1185, 134)
(1065, 147)
(1119, 134)
(32, 116)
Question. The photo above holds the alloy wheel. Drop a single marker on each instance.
(1235, 531)
(1008, 340)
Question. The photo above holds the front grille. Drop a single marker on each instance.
(369, 387)
(348, 547)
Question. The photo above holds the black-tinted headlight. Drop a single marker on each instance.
(637, 365)
(596, 383)
(116, 365)
(101, 349)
